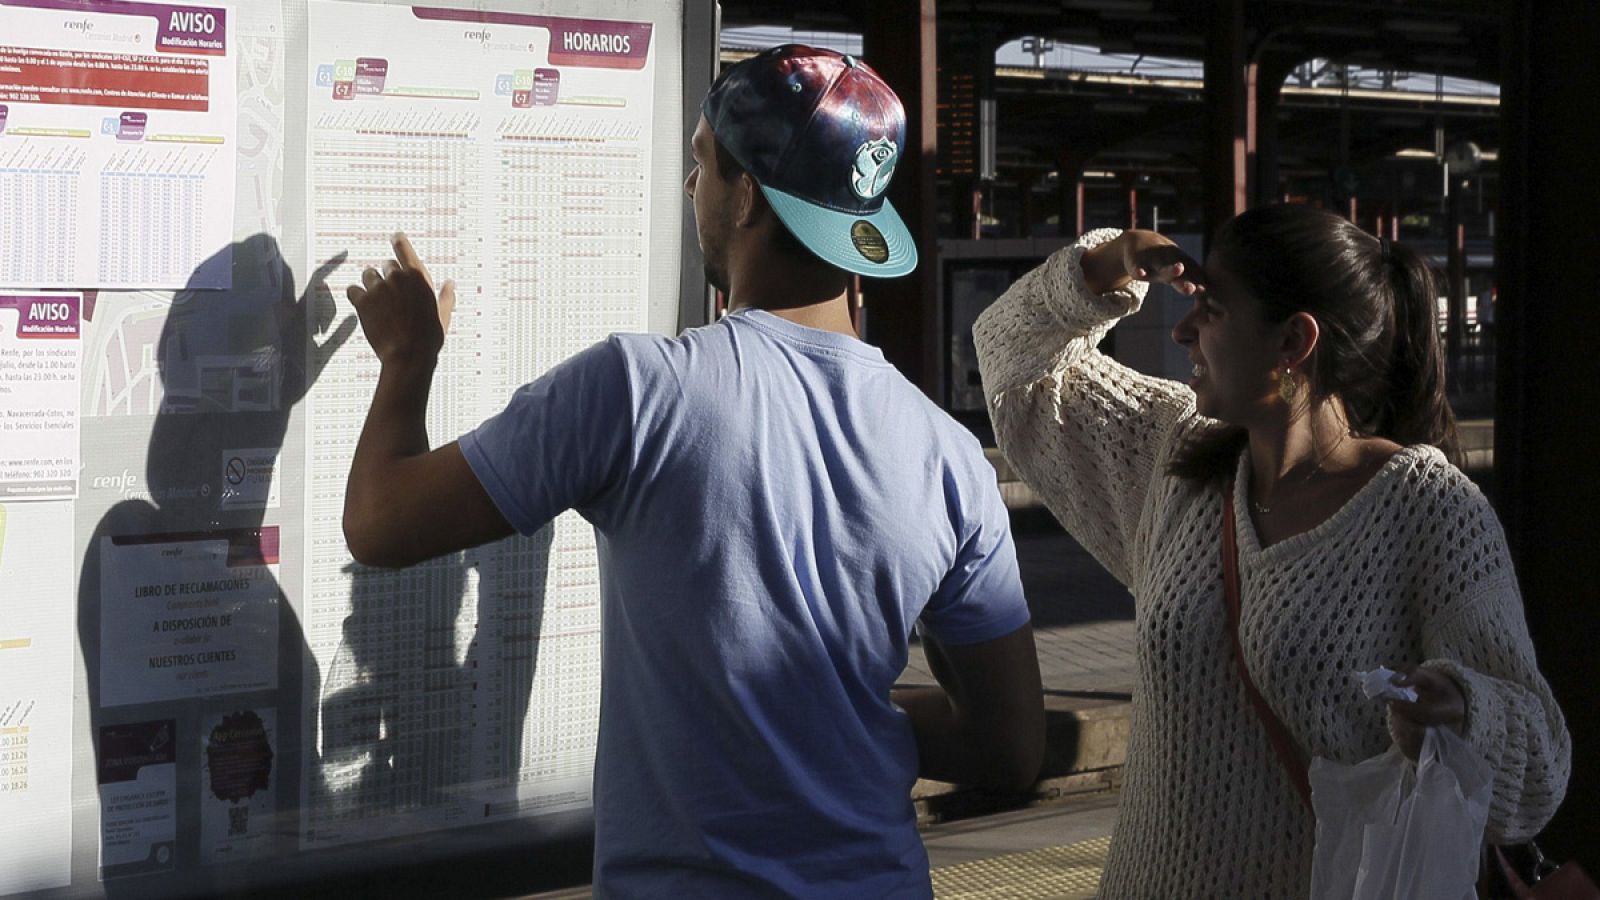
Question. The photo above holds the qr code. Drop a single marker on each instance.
(238, 820)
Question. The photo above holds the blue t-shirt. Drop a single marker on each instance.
(775, 507)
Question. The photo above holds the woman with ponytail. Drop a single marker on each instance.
(1316, 423)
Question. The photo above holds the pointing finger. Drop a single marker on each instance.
(447, 305)
(407, 255)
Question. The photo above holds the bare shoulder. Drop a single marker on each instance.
(1377, 451)
(1372, 456)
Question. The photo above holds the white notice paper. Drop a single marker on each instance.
(41, 364)
(188, 615)
(37, 648)
(118, 126)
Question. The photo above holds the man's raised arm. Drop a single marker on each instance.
(404, 502)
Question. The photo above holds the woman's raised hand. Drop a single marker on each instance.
(1141, 255)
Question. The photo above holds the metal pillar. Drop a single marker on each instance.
(988, 132)
(1267, 88)
(1025, 181)
(1548, 373)
(1455, 280)
(902, 314)
(696, 303)
(1228, 129)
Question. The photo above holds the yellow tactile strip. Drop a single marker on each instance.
(1071, 870)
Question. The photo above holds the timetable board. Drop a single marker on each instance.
(199, 690)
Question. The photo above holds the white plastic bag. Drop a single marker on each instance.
(1388, 829)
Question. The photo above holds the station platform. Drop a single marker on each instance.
(1055, 852)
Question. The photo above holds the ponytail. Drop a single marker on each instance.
(1414, 408)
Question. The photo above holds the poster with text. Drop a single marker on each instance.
(138, 798)
(238, 774)
(40, 372)
(118, 143)
(188, 615)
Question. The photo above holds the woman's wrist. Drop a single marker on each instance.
(1103, 271)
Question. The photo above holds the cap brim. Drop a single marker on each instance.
(837, 237)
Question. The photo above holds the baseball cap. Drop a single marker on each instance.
(821, 133)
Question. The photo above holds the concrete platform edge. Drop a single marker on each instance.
(1085, 748)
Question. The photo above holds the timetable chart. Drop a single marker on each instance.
(154, 195)
(39, 184)
(396, 705)
(561, 659)
(515, 152)
(118, 133)
(571, 237)
(539, 617)
(372, 171)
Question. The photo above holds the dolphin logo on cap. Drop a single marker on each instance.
(874, 166)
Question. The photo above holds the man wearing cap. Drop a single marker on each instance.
(776, 508)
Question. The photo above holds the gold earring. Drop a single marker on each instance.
(1286, 385)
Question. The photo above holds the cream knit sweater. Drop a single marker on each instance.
(1412, 570)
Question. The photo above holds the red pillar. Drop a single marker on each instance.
(1069, 168)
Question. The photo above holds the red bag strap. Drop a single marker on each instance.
(1518, 887)
(1288, 752)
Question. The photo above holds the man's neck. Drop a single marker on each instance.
(813, 296)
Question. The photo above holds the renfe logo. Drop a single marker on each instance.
(83, 25)
(193, 22)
